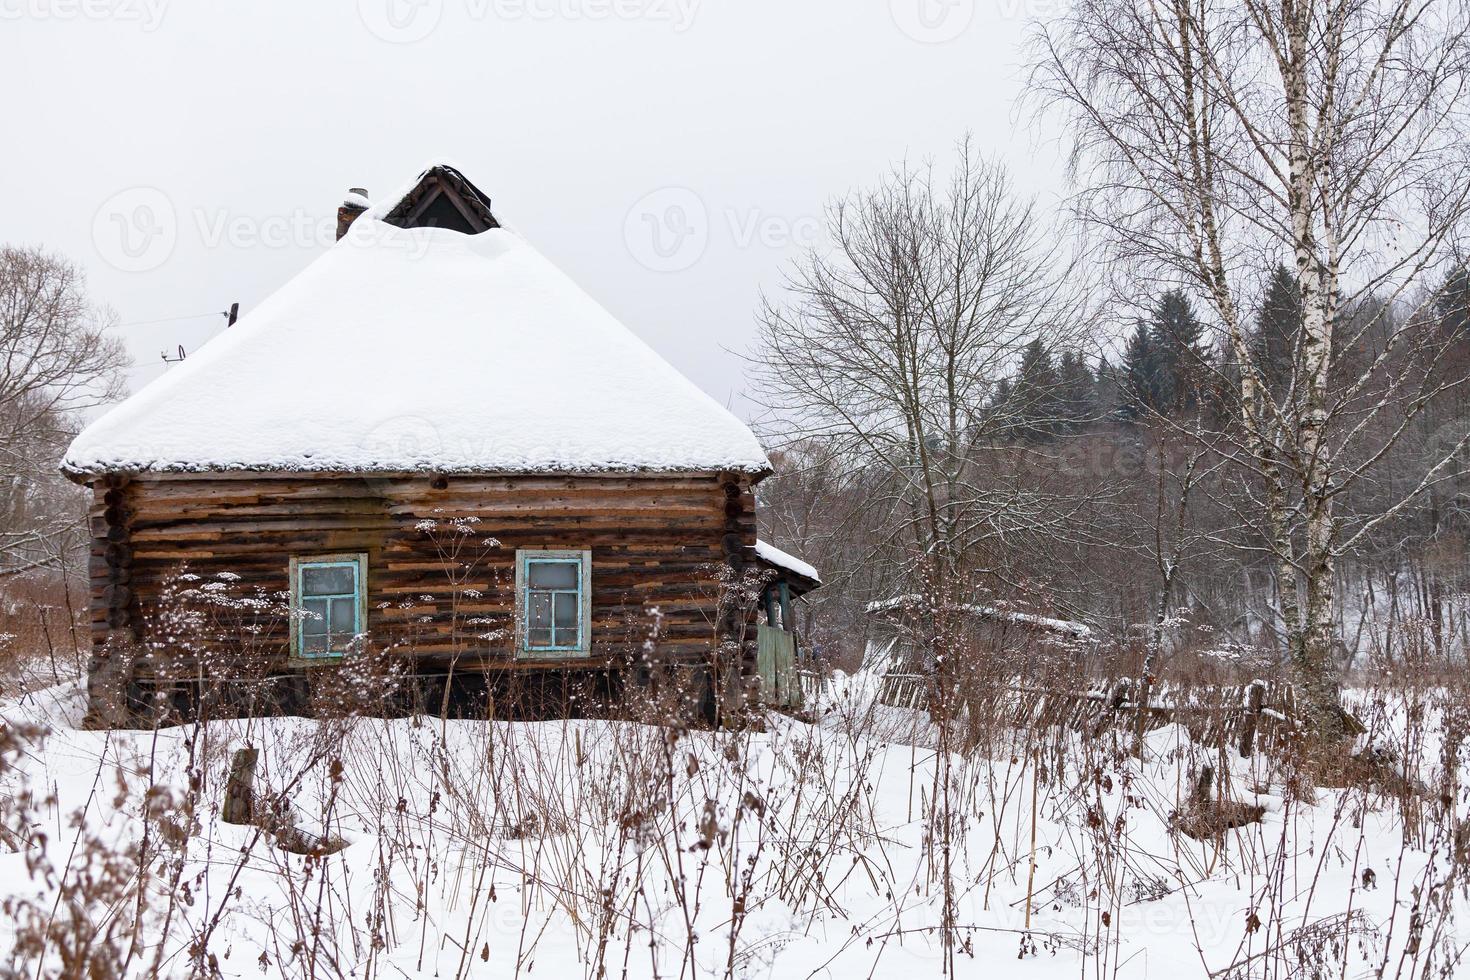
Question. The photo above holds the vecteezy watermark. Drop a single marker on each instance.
(932, 21)
(136, 229)
(399, 442)
(669, 229)
(679, 14)
(293, 229)
(407, 21)
(400, 21)
(147, 14)
(1033, 9)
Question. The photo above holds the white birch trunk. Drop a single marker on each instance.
(1311, 649)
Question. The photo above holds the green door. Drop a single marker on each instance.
(775, 662)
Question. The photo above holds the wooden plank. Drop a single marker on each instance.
(656, 541)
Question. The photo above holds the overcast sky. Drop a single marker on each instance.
(670, 155)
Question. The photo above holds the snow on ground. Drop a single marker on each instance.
(561, 848)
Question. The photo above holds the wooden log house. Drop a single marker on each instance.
(433, 445)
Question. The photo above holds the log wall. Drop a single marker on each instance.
(657, 543)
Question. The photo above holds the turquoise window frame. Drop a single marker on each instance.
(358, 597)
(526, 560)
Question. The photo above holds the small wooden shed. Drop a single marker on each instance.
(433, 445)
(899, 653)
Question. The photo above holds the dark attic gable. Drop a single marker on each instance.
(443, 198)
(439, 210)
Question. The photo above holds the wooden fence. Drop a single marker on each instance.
(811, 681)
(1236, 714)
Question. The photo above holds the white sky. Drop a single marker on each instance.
(720, 125)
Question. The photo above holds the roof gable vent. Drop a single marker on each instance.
(443, 198)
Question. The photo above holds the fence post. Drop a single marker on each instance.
(1255, 700)
(239, 789)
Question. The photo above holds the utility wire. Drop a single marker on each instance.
(171, 319)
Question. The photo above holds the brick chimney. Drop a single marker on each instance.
(354, 204)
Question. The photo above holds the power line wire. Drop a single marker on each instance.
(172, 319)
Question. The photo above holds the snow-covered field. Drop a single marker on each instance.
(566, 849)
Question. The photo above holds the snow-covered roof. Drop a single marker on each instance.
(421, 349)
(1078, 630)
(773, 555)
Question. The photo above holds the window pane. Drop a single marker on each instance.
(552, 574)
(314, 646)
(553, 602)
(344, 616)
(327, 580)
(539, 610)
(565, 605)
(314, 616)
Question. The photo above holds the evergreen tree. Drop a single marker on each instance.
(1273, 346)
(1180, 353)
(1077, 390)
(1140, 375)
(1108, 389)
(1002, 403)
(1453, 304)
(1036, 394)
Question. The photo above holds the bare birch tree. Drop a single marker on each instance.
(1212, 139)
(56, 362)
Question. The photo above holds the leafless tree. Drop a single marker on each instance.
(890, 350)
(823, 511)
(1175, 536)
(893, 350)
(1212, 139)
(56, 362)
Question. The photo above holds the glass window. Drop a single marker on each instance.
(327, 601)
(554, 601)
